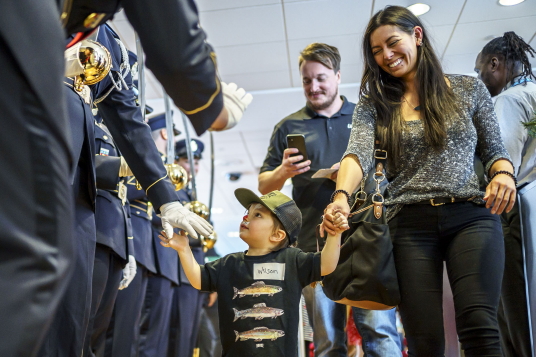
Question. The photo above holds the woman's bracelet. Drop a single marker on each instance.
(504, 172)
(340, 191)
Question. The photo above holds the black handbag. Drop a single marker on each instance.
(365, 276)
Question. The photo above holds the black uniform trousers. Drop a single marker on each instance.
(107, 274)
(124, 329)
(513, 314)
(155, 317)
(35, 209)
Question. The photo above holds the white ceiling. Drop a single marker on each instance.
(258, 42)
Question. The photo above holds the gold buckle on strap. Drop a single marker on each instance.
(452, 199)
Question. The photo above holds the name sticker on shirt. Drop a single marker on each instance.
(271, 271)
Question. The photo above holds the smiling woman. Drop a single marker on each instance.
(431, 126)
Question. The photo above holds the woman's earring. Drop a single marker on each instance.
(419, 42)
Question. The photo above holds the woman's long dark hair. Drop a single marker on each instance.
(514, 51)
(436, 99)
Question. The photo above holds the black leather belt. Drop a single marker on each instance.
(443, 200)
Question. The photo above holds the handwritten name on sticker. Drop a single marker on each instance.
(269, 271)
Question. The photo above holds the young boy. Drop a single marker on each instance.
(259, 290)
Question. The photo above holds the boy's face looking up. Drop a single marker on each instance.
(257, 228)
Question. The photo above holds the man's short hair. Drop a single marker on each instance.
(320, 52)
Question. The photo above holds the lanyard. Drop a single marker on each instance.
(522, 80)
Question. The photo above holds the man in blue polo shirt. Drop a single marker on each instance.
(326, 122)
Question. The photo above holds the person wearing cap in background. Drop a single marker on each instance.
(271, 268)
(187, 301)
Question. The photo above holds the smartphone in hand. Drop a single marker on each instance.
(297, 141)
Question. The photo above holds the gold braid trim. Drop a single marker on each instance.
(154, 183)
(211, 99)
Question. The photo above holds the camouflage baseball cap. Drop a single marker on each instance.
(279, 204)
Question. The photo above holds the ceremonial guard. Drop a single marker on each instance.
(65, 337)
(36, 210)
(155, 318)
(114, 265)
(187, 301)
(124, 331)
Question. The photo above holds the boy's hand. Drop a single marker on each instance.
(177, 242)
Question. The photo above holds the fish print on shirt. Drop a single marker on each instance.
(259, 312)
(258, 334)
(257, 289)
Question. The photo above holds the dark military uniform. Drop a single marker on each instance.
(124, 331)
(114, 241)
(155, 319)
(36, 198)
(66, 334)
(35, 153)
(187, 301)
(132, 136)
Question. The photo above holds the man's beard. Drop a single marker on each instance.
(329, 101)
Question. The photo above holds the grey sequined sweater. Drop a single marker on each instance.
(423, 173)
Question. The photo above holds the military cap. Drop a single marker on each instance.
(159, 122)
(197, 147)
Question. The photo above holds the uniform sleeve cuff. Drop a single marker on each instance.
(162, 192)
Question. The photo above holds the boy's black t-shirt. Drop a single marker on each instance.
(258, 299)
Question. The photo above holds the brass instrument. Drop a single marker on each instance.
(96, 61)
(88, 61)
(198, 208)
(202, 211)
(177, 175)
(209, 242)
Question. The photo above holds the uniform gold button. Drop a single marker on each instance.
(105, 137)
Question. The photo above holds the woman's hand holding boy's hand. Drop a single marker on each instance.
(328, 220)
(178, 241)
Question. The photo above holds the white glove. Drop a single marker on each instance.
(124, 170)
(235, 100)
(129, 272)
(174, 214)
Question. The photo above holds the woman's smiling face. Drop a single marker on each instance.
(395, 51)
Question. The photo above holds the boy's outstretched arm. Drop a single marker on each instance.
(331, 251)
(180, 243)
